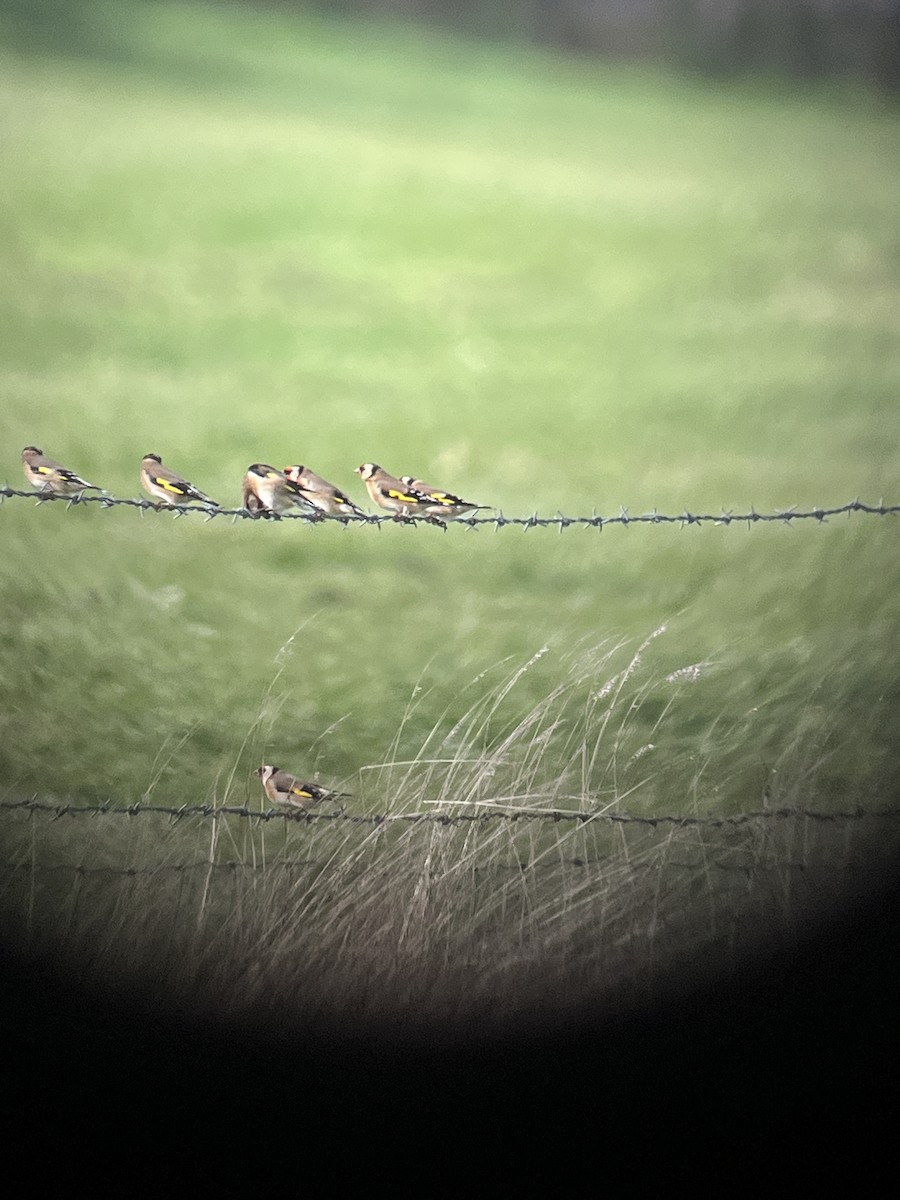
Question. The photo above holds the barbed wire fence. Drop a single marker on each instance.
(494, 897)
(651, 882)
(777, 843)
(56, 811)
(560, 521)
(488, 812)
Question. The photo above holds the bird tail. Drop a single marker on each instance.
(193, 494)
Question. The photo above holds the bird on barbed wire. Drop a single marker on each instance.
(52, 478)
(168, 487)
(391, 493)
(283, 788)
(268, 492)
(445, 505)
(320, 493)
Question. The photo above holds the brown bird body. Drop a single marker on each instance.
(320, 493)
(269, 492)
(166, 486)
(283, 788)
(391, 493)
(50, 477)
(445, 505)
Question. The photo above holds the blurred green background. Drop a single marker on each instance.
(234, 233)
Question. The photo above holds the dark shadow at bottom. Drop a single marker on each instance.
(806, 1036)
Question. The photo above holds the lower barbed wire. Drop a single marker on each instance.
(57, 809)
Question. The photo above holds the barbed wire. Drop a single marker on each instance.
(59, 809)
(498, 521)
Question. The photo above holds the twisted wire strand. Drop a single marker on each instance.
(499, 521)
(59, 809)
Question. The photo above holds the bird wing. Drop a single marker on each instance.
(305, 791)
(322, 497)
(338, 495)
(293, 787)
(446, 499)
(170, 483)
(70, 476)
(52, 469)
(438, 495)
(406, 496)
(176, 486)
(281, 781)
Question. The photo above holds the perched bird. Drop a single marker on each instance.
(394, 495)
(321, 494)
(268, 492)
(52, 478)
(165, 485)
(282, 788)
(444, 505)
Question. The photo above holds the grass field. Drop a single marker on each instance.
(230, 236)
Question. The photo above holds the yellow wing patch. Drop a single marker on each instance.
(168, 486)
(394, 495)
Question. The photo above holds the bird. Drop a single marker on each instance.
(391, 493)
(320, 493)
(166, 486)
(269, 492)
(444, 505)
(283, 788)
(52, 478)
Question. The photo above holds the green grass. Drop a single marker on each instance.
(228, 236)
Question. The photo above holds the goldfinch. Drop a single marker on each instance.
(269, 492)
(392, 494)
(165, 485)
(283, 788)
(52, 478)
(444, 505)
(321, 494)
